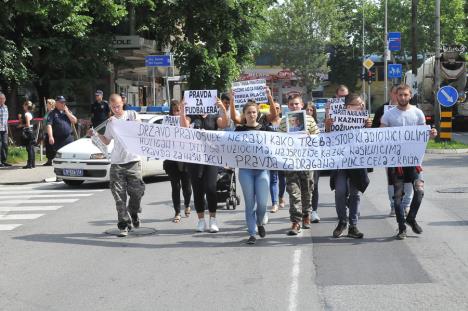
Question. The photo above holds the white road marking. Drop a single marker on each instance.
(29, 208)
(41, 189)
(294, 288)
(20, 216)
(31, 195)
(9, 227)
(37, 201)
(44, 191)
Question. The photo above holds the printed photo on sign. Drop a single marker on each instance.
(200, 102)
(171, 120)
(296, 122)
(250, 89)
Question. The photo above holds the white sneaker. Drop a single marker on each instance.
(123, 233)
(392, 213)
(315, 217)
(265, 219)
(201, 225)
(213, 226)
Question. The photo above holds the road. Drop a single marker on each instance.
(461, 137)
(58, 257)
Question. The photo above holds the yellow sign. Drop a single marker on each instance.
(368, 63)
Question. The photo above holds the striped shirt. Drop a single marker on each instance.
(312, 127)
(3, 118)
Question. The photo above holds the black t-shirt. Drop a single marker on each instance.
(259, 127)
(61, 125)
(100, 112)
(206, 123)
(378, 115)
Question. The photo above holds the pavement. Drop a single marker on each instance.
(16, 175)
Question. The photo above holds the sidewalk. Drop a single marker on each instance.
(16, 175)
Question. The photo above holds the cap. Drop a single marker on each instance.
(60, 98)
(123, 95)
(99, 92)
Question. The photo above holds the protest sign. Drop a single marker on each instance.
(250, 89)
(345, 119)
(362, 148)
(295, 122)
(171, 120)
(333, 104)
(98, 143)
(200, 102)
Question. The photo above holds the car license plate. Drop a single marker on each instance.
(72, 172)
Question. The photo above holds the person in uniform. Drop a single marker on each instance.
(99, 109)
(60, 122)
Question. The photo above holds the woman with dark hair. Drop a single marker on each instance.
(28, 136)
(204, 177)
(178, 175)
(277, 178)
(254, 182)
(348, 183)
(311, 110)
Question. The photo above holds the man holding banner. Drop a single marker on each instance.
(299, 184)
(406, 114)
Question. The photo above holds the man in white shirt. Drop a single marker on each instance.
(3, 131)
(405, 114)
(125, 171)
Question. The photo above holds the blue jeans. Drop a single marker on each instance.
(277, 186)
(254, 185)
(343, 187)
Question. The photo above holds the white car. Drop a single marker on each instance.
(82, 161)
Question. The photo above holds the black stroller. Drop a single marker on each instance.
(226, 188)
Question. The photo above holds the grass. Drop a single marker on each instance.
(446, 145)
(18, 155)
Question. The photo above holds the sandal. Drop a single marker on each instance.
(187, 211)
(176, 219)
(274, 208)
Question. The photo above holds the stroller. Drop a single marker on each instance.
(226, 188)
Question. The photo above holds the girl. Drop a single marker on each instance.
(277, 178)
(28, 136)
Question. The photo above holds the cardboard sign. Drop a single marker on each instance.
(200, 102)
(344, 120)
(171, 120)
(250, 89)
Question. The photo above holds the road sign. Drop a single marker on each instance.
(395, 71)
(368, 63)
(394, 41)
(447, 96)
(158, 61)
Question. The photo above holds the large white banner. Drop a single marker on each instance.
(369, 147)
(250, 89)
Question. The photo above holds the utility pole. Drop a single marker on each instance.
(414, 43)
(386, 55)
(363, 54)
(437, 66)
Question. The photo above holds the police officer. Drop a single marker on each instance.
(59, 124)
(99, 109)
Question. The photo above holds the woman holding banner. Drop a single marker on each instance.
(254, 182)
(348, 183)
(178, 175)
(277, 178)
(204, 177)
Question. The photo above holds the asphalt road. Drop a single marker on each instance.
(61, 259)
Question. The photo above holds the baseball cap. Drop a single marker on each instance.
(60, 98)
(99, 92)
(123, 95)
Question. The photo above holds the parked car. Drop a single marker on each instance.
(82, 161)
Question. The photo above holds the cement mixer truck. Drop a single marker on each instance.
(453, 71)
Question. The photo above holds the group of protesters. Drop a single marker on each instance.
(405, 184)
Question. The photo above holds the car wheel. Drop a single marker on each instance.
(73, 182)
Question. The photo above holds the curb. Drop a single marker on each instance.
(446, 151)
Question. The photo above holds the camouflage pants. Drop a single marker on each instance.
(126, 179)
(299, 185)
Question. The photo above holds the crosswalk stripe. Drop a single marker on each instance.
(9, 227)
(48, 191)
(22, 190)
(27, 208)
(31, 195)
(37, 201)
(20, 216)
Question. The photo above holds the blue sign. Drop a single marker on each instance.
(394, 41)
(395, 71)
(447, 96)
(158, 61)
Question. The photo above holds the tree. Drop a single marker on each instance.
(212, 40)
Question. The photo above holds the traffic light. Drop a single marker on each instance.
(370, 76)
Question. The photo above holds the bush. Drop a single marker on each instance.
(18, 154)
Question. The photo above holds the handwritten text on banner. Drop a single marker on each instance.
(369, 147)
